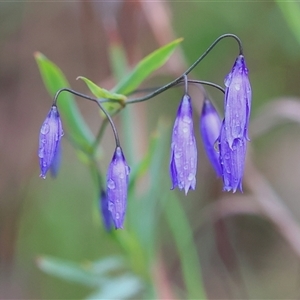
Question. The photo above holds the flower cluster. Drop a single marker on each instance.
(225, 141)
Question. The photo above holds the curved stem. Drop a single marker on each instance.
(98, 102)
(203, 82)
(185, 80)
(117, 140)
(178, 79)
(82, 96)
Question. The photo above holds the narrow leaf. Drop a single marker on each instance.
(182, 233)
(67, 270)
(145, 67)
(54, 80)
(99, 92)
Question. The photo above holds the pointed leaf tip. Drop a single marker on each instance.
(99, 92)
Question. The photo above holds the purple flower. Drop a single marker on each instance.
(237, 101)
(232, 160)
(183, 162)
(49, 141)
(210, 126)
(117, 184)
(106, 215)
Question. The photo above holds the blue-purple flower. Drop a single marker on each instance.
(117, 185)
(106, 214)
(210, 126)
(232, 161)
(49, 141)
(183, 162)
(237, 102)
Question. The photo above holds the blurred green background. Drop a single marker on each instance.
(248, 244)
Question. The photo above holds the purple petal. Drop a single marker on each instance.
(210, 126)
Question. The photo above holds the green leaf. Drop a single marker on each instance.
(182, 233)
(68, 271)
(291, 12)
(54, 80)
(99, 92)
(145, 67)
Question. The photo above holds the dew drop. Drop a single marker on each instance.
(178, 154)
(187, 119)
(110, 206)
(45, 128)
(186, 167)
(127, 170)
(117, 216)
(191, 177)
(217, 146)
(227, 80)
(227, 156)
(185, 129)
(111, 184)
(237, 86)
(121, 175)
(41, 153)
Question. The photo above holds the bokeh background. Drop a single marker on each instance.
(248, 244)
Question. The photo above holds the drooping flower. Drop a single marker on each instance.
(237, 101)
(210, 126)
(183, 162)
(232, 161)
(117, 185)
(106, 214)
(49, 140)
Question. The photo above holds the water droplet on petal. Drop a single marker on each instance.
(187, 119)
(178, 154)
(121, 175)
(237, 86)
(217, 146)
(117, 216)
(227, 79)
(45, 128)
(111, 184)
(191, 177)
(127, 170)
(110, 206)
(186, 167)
(185, 129)
(41, 153)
